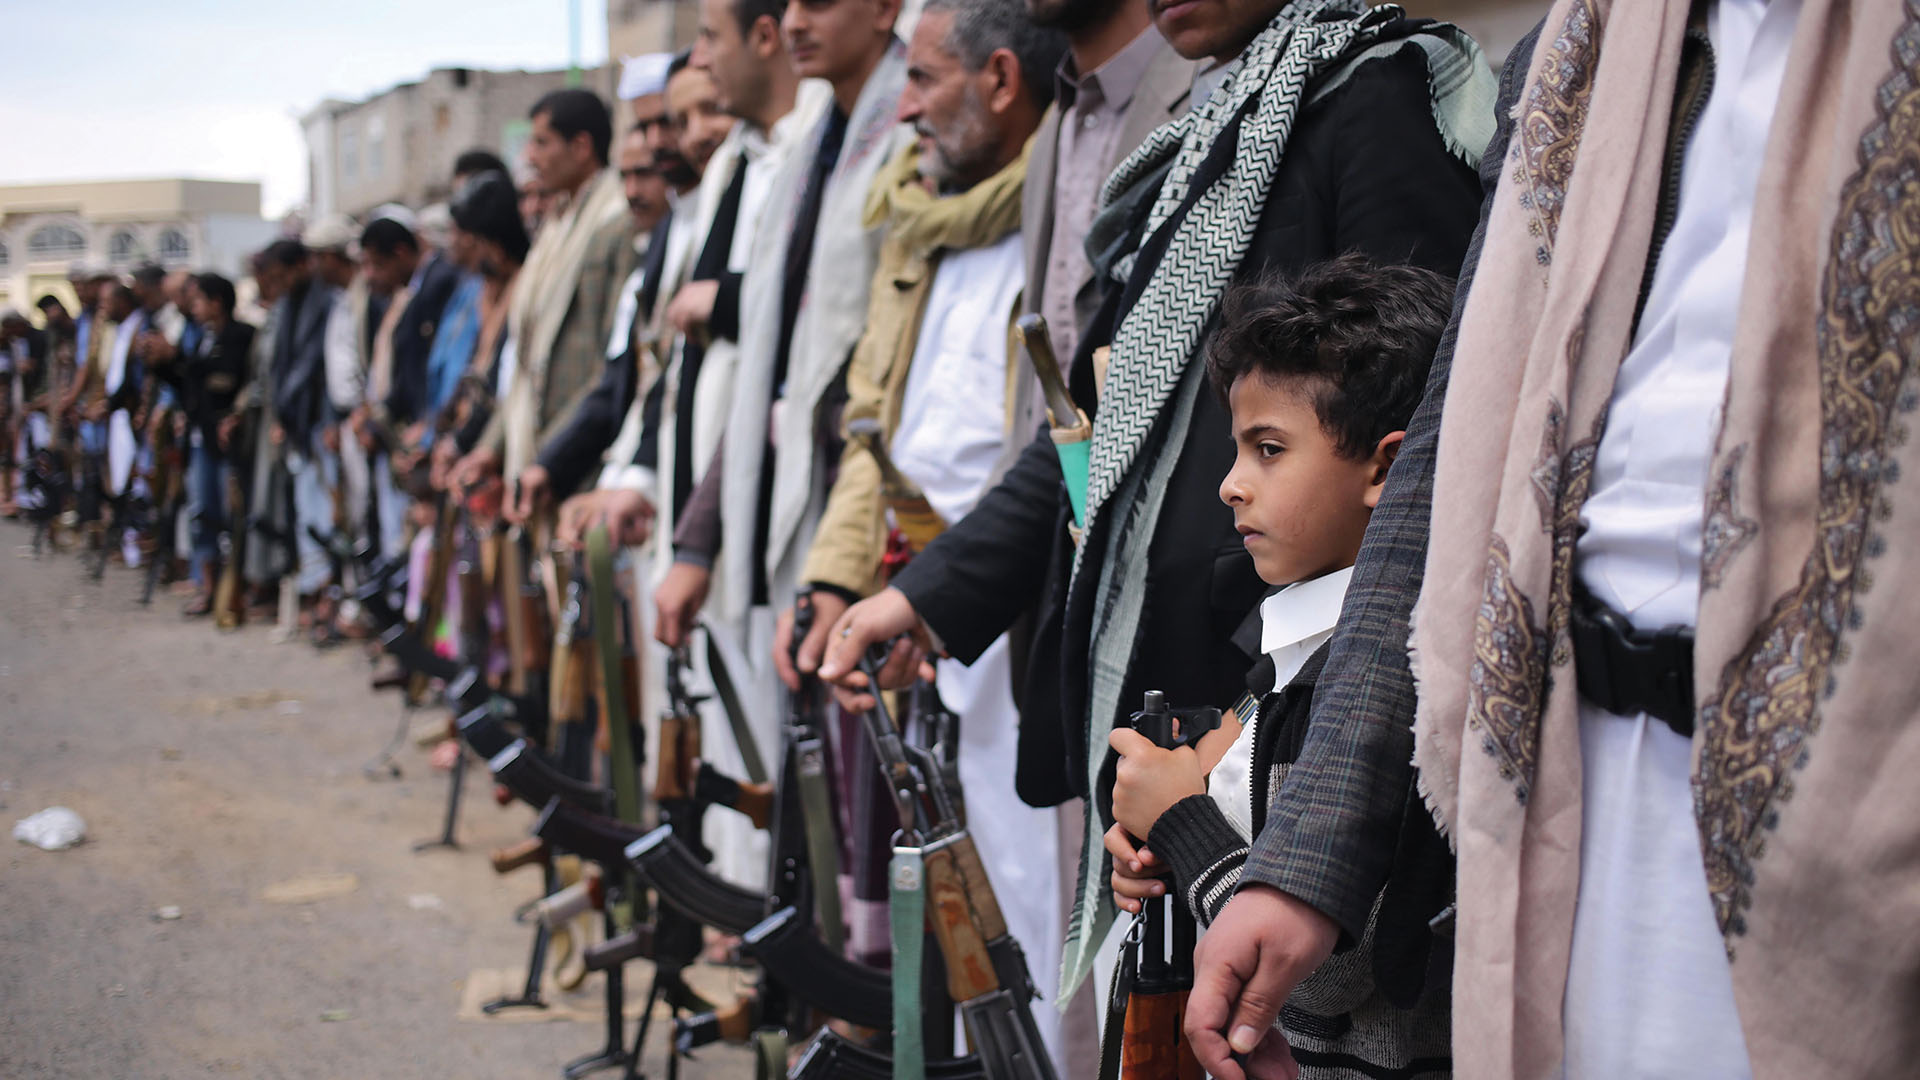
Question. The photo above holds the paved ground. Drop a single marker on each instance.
(210, 767)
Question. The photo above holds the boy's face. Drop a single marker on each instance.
(1300, 507)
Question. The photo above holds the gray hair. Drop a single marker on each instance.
(980, 27)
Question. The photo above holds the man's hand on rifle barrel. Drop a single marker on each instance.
(1264, 942)
(679, 599)
(530, 492)
(882, 617)
(827, 609)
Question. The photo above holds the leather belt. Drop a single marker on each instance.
(1628, 671)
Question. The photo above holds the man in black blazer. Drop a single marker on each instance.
(1365, 170)
(394, 260)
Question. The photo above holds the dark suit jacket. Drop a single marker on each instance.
(208, 383)
(570, 456)
(407, 395)
(1365, 170)
(1331, 846)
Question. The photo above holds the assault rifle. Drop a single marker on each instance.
(986, 970)
(831, 1057)
(534, 781)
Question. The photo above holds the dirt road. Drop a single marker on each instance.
(211, 768)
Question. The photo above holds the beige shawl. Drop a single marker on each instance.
(1803, 783)
(542, 294)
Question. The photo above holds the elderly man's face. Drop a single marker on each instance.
(946, 108)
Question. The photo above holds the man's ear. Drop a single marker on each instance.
(1001, 76)
(1384, 453)
(888, 15)
(763, 39)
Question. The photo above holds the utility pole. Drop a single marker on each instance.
(573, 42)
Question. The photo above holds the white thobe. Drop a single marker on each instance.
(1649, 989)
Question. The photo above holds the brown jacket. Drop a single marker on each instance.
(851, 540)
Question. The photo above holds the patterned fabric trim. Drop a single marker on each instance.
(1506, 684)
(1550, 122)
(1760, 720)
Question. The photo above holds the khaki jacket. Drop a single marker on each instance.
(848, 546)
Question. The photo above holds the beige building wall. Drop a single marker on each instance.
(638, 27)
(45, 229)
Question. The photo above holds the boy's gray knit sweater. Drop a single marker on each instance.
(1341, 1027)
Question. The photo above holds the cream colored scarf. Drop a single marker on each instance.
(1806, 752)
(542, 296)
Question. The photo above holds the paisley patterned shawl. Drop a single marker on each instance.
(1808, 815)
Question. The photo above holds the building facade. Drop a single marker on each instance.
(399, 146)
(45, 229)
(638, 27)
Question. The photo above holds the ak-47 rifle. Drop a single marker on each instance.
(661, 860)
(986, 970)
(534, 781)
(571, 679)
(1143, 1038)
(529, 630)
(831, 1057)
(433, 602)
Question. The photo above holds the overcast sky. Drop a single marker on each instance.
(215, 88)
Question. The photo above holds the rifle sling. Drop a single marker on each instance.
(621, 766)
(750, 758)
(1113, 1032)
(823, 845)
(907, 917)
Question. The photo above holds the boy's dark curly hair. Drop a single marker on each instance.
(1356, 335)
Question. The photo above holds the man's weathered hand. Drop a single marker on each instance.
(692, 307)
(884, 616)
(827, 608)
(678, 601)
(477, 466)
(629, 516)
(1263, 943)
(530, 493)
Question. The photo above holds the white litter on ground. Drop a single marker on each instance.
(54, 829)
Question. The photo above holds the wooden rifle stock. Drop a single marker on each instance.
(954, 921)
(679, 752)
(528, 852)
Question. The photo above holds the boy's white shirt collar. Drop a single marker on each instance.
(1303, 610)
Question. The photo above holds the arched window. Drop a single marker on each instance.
(56, 242)
(174, 247)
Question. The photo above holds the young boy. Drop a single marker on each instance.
(1321, 373)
